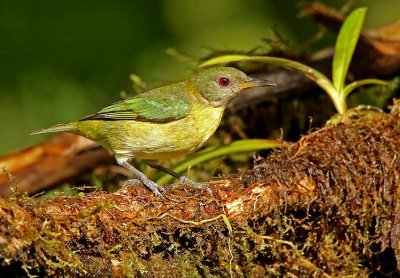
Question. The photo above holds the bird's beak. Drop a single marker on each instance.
(254, 82)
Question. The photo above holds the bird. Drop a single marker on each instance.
(163, 123)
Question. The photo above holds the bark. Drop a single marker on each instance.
(58, 159)
(324, 206)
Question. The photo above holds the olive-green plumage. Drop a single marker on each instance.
(166, 122)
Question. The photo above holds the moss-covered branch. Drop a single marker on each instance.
(325, 206)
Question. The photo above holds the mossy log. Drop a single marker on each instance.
(325, 206)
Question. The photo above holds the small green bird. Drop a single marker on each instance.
(163, 123)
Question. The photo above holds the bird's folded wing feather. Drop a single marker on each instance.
(144, 108)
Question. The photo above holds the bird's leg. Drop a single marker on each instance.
(142, 177)
(181, 178)
(154, 165)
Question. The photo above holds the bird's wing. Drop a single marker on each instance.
(144, 108)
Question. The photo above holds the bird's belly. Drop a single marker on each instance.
(160, 140)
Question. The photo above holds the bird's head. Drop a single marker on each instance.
(219, 85)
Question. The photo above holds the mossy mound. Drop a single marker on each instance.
(324, 206)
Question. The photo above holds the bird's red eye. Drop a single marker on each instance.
(224, 81)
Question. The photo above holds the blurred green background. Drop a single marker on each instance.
(61, 60)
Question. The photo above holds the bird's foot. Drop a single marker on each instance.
(157, 189)
(129, 182)
(184, 179)
(142, 177)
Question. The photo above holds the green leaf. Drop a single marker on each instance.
(345, 46)
(309, 72)
(225, 59)
(349, 88)
(210, 153)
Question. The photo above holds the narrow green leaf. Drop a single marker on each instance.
(309, 72)
(349, 88)
(210, 153)
(345, 46)
(225, 59)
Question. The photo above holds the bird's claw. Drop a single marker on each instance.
(184, 179)
(129, 182)
(157, 189)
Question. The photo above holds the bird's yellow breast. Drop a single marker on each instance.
(149, 140)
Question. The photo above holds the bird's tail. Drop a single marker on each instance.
(71, 127)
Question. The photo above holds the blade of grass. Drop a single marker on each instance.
(345, 46)
(349, 88)
(207, 154)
